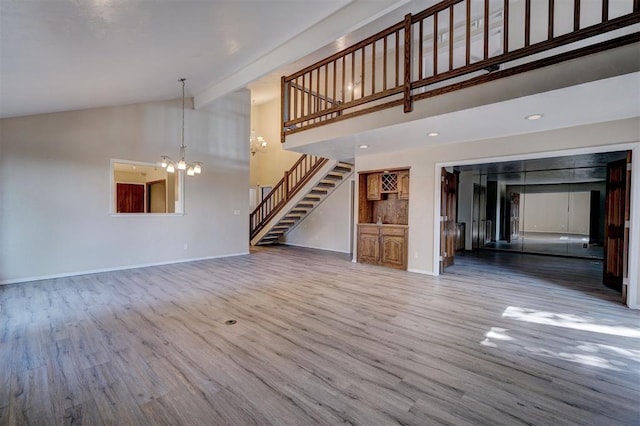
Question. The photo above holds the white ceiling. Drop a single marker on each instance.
(58, 55)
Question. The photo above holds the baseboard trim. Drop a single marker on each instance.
(117, 268)
(422, 271)
(317, 248)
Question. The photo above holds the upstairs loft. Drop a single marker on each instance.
(459, 44)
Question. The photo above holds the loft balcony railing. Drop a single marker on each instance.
(450, 46)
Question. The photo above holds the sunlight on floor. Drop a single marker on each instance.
(585, 353)
(571, 321)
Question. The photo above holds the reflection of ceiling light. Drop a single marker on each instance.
(534, 117)
(256, 143)
(364, 146)
(433, 134)
(171, 166)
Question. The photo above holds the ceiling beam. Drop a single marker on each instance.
(351, 17)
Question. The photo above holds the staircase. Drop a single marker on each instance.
(302, 188)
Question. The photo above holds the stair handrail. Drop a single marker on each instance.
(293, 180)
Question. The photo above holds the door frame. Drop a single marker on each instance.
(634, 231)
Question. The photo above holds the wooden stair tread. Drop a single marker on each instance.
(333, 176)
(322, 188)
(342, 169)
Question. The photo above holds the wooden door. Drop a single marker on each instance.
(616, 212)
(448, 202)
(514, 217)
(129, 198)
(157, 196)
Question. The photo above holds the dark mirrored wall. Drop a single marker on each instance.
(552, 206)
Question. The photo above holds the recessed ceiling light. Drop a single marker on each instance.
(433, 134)
(364, 146)
(534, 117)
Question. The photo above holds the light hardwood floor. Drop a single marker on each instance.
(320, 340)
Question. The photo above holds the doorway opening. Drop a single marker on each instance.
(564, 207)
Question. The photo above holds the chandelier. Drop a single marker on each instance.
(171, 166)
(256, 143)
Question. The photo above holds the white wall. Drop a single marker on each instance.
(68, 228)
(424, 202)
(327, 227)
(558, 212)
(268, 166)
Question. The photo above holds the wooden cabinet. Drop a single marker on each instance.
(373, 186)
(384, 245)
(393, 247)
(383, 215)
(369, 244)
(403, 185)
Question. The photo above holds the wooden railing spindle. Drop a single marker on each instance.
(467, 41)
(373, 70)
(344, 74)
(384, 65)
(527, 23)
(397, 33)
(451, 34)
(362, 75)
(505, 27)
(420, 35)
(436, 36)
(309, 92)
(353, 75)
(318, 90)
(486, 29)
(326, 87)
(552, 15)
(576, 15)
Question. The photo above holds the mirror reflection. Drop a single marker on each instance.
(145, 188)
(553, 206)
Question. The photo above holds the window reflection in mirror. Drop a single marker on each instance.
(144, 188)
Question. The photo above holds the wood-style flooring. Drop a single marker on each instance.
(320, 340)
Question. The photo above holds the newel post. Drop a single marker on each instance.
(286, 185)
(408, 104)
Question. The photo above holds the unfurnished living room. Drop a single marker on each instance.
(411, 212)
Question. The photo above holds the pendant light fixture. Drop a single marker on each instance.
(171, 166)
(256, 143)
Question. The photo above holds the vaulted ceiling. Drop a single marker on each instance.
(58, 55)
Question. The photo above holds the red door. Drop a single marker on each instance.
(130, 198)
